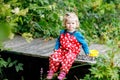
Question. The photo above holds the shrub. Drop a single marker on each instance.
(107, 66)
(100, 20)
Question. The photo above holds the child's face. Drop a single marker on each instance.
(71, 25)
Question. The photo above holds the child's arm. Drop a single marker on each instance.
(84, 44)
(57, 45)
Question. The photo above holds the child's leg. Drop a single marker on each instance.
(54, 63)
(66, 64)
(68, 61)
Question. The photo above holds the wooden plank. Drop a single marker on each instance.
(41, 48)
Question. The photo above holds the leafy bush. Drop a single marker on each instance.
(100, 20)
(7, 22)
(4, 64)
(107, 66)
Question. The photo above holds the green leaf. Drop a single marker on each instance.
(19, 67)
(3, 63)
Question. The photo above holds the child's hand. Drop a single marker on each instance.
(54, 50)
(87, 54)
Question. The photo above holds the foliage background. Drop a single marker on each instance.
(100, 20)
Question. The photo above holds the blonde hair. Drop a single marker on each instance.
(71, 15)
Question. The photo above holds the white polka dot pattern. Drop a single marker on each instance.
(66, 54)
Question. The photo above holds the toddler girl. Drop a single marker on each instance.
(67, 47)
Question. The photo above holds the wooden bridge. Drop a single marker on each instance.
(34, 56)
(41, 48)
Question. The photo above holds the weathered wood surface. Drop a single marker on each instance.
(41, 48)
